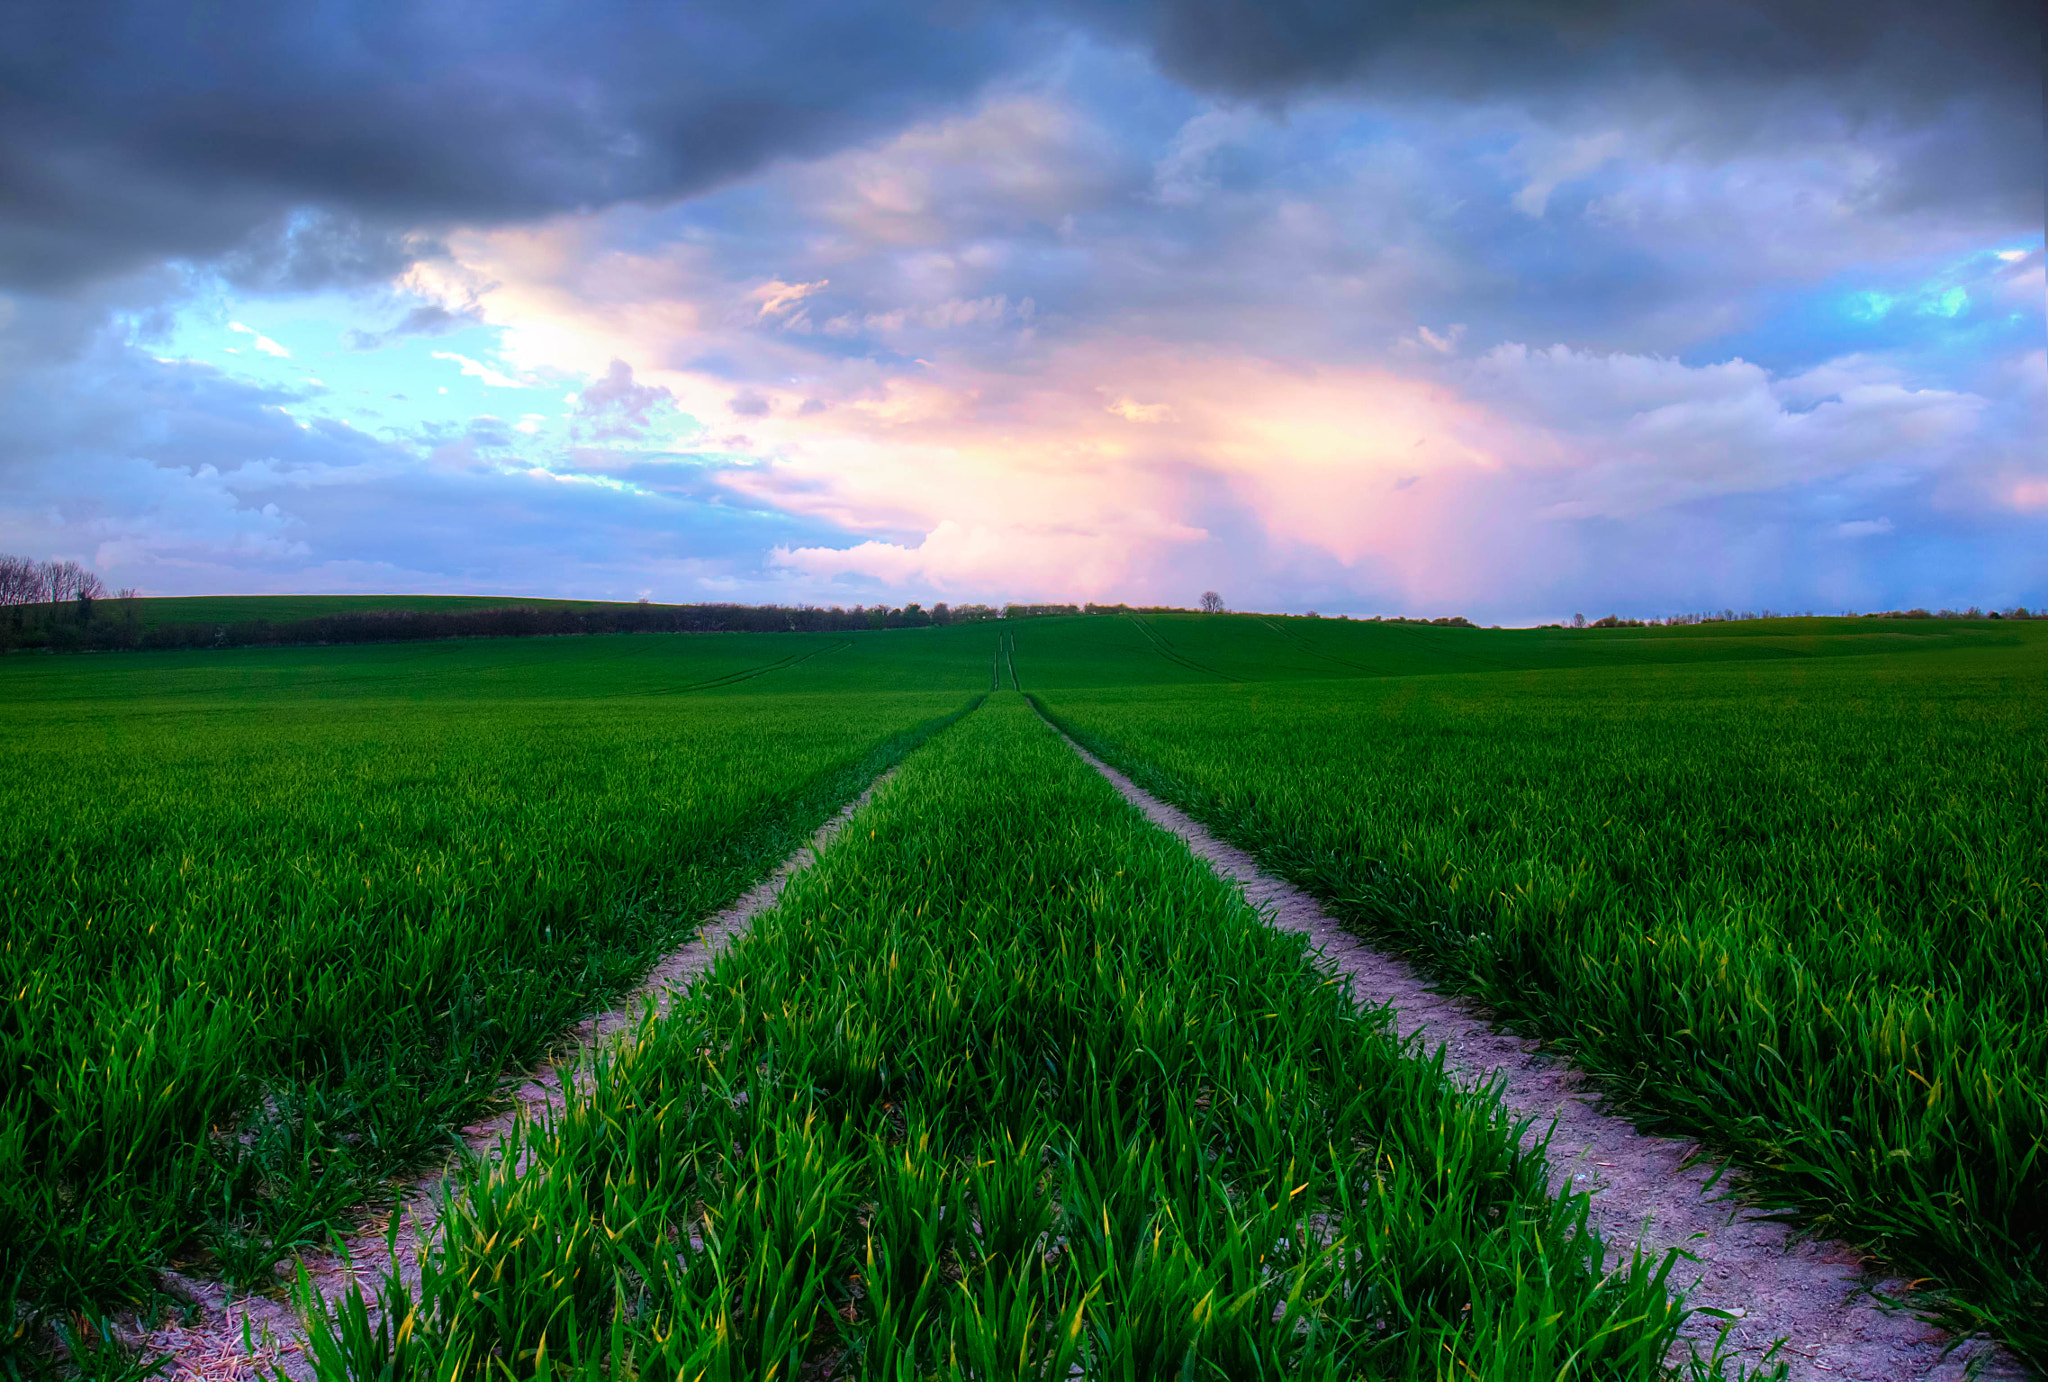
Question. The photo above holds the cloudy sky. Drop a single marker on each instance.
(1510, 308)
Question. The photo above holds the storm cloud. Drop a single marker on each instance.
(309, 143)
(130, 130)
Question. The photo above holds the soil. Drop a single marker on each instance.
(1815, 1302)
(251, 1337)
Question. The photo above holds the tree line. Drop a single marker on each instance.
(38, 599)
(1729, 616)
(63, 606)
(75, 614)
(26, 582)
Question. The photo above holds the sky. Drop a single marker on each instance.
(1505, 308)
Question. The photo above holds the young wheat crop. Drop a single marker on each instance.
(1009, 1084)
(1795, 907)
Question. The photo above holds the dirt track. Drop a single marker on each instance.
(1646, 1191)
(213, 1349)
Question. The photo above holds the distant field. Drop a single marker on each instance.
(1197, 648)
(230, 609)
(276, 919)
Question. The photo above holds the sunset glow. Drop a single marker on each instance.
(1076, 313)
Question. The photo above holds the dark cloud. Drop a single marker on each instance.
(304, 144)
(428, 319)
(1952, 91)
(312, 247)
(132, 130)
(1480, 47)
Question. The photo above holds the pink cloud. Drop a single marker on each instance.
(1012, 455)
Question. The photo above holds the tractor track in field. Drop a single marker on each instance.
(1167, 651)
(749, 673)
(255, 1337)
(1650, 1193)
(1301, 645)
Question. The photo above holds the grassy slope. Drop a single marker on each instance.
(600, 666)
(1795, 904)
(1011, 1083)
(597, 666)
(322, 896)
(1107, 650)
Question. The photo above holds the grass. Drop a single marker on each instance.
(1008, 1085)
(274, 920)
(273, 923)
(1793, 906)
(454, 671)
(1157, 649)
(631, 669)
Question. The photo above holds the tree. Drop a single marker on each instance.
(21, 580)
(1212, 603)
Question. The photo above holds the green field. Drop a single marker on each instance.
(1011, 1084)
(1794, 907)
(275, 924)
(277, 920)
(279, 609)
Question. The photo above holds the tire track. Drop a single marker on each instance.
(1808, 1304)
(1165, 650)
(1301, 645)
(732, 678)
(256, 1337)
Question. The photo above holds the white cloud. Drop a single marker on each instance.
(262, 342)
(1425, 340)
(476, 369)
(1864, 527)
(1624, 435)
(1130, 410)
(1184, 177)
(1552, 163)
(779, 299)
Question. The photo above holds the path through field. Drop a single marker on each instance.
(1646, 1191)
(254, 1336)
